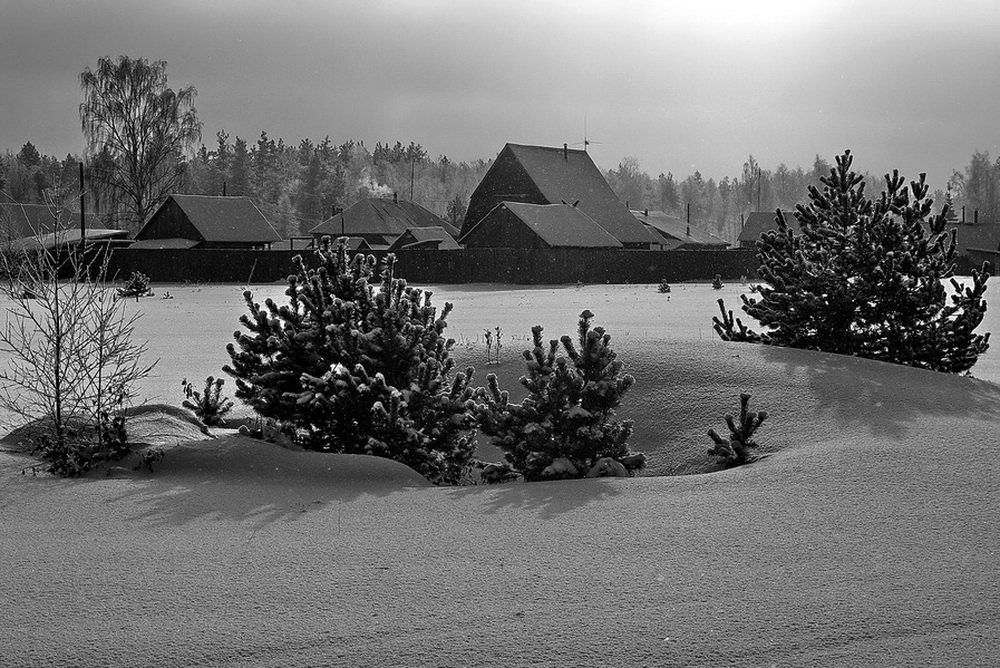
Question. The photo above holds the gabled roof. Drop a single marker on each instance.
(759, 222)
(384, 217)
(673, 227)
(435, 237)
(558, 225)
(569, 176)
(18, 221)
(224, 219)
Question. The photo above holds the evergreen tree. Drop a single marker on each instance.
(864, 277)
(569, 413)
(357, 362)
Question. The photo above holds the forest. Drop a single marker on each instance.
(298, 185)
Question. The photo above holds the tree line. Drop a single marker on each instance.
(144, 141)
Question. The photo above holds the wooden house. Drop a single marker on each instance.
(201, 221)
(518, 225)
(550, 176)
(677, 234)
(380, 222)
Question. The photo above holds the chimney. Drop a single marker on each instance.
(223, 188)
(566, 152)
(975, 217)
(689, 229)
(395, 199)
(963, 214)
(645, 212)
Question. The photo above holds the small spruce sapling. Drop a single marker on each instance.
(567, 422)
(735, 451)
(717, 283)
(209, 406)
(663, 287)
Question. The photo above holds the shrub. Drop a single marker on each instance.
(735, 450)
(717, 282)
(864, 277)
(357, 362)
(663, 287)
(209, 405)
(567, 422)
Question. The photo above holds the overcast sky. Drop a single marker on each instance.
(694, 84)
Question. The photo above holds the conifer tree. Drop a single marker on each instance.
(864, 277)
(357, 362)
(569, 413)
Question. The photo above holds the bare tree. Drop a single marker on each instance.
(129, 115)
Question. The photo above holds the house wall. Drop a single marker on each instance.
(505, 179)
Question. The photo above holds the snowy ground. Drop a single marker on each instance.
(867, 537)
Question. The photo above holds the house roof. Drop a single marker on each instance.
(569, 176)
(381, 216)
(558, 225)
(435, 237)
(758, 222)
(19, 221)
(65, 237)
(225, 219)
(673, 227)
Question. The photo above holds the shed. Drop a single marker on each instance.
(425, 238)
(211, 222)
(677, 234)
(516, 225)
(380, 221)
(71, 237)
(542, 175)
(20, 221)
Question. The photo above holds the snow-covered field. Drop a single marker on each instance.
(867, 538)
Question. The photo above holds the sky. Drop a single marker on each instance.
(680, 86)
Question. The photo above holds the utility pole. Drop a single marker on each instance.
(83, 219)
(412, 163)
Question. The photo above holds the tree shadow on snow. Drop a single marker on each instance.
(266, 486)
(883, 398)
(548, 499)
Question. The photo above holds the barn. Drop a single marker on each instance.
(517, 225)
(542, 175)
(202, 221)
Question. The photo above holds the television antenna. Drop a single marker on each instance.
(586, 141)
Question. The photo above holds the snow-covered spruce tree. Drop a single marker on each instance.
(567, 422)
(864, 277)
(356, 362)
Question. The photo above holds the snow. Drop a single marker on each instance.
(867, 536)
